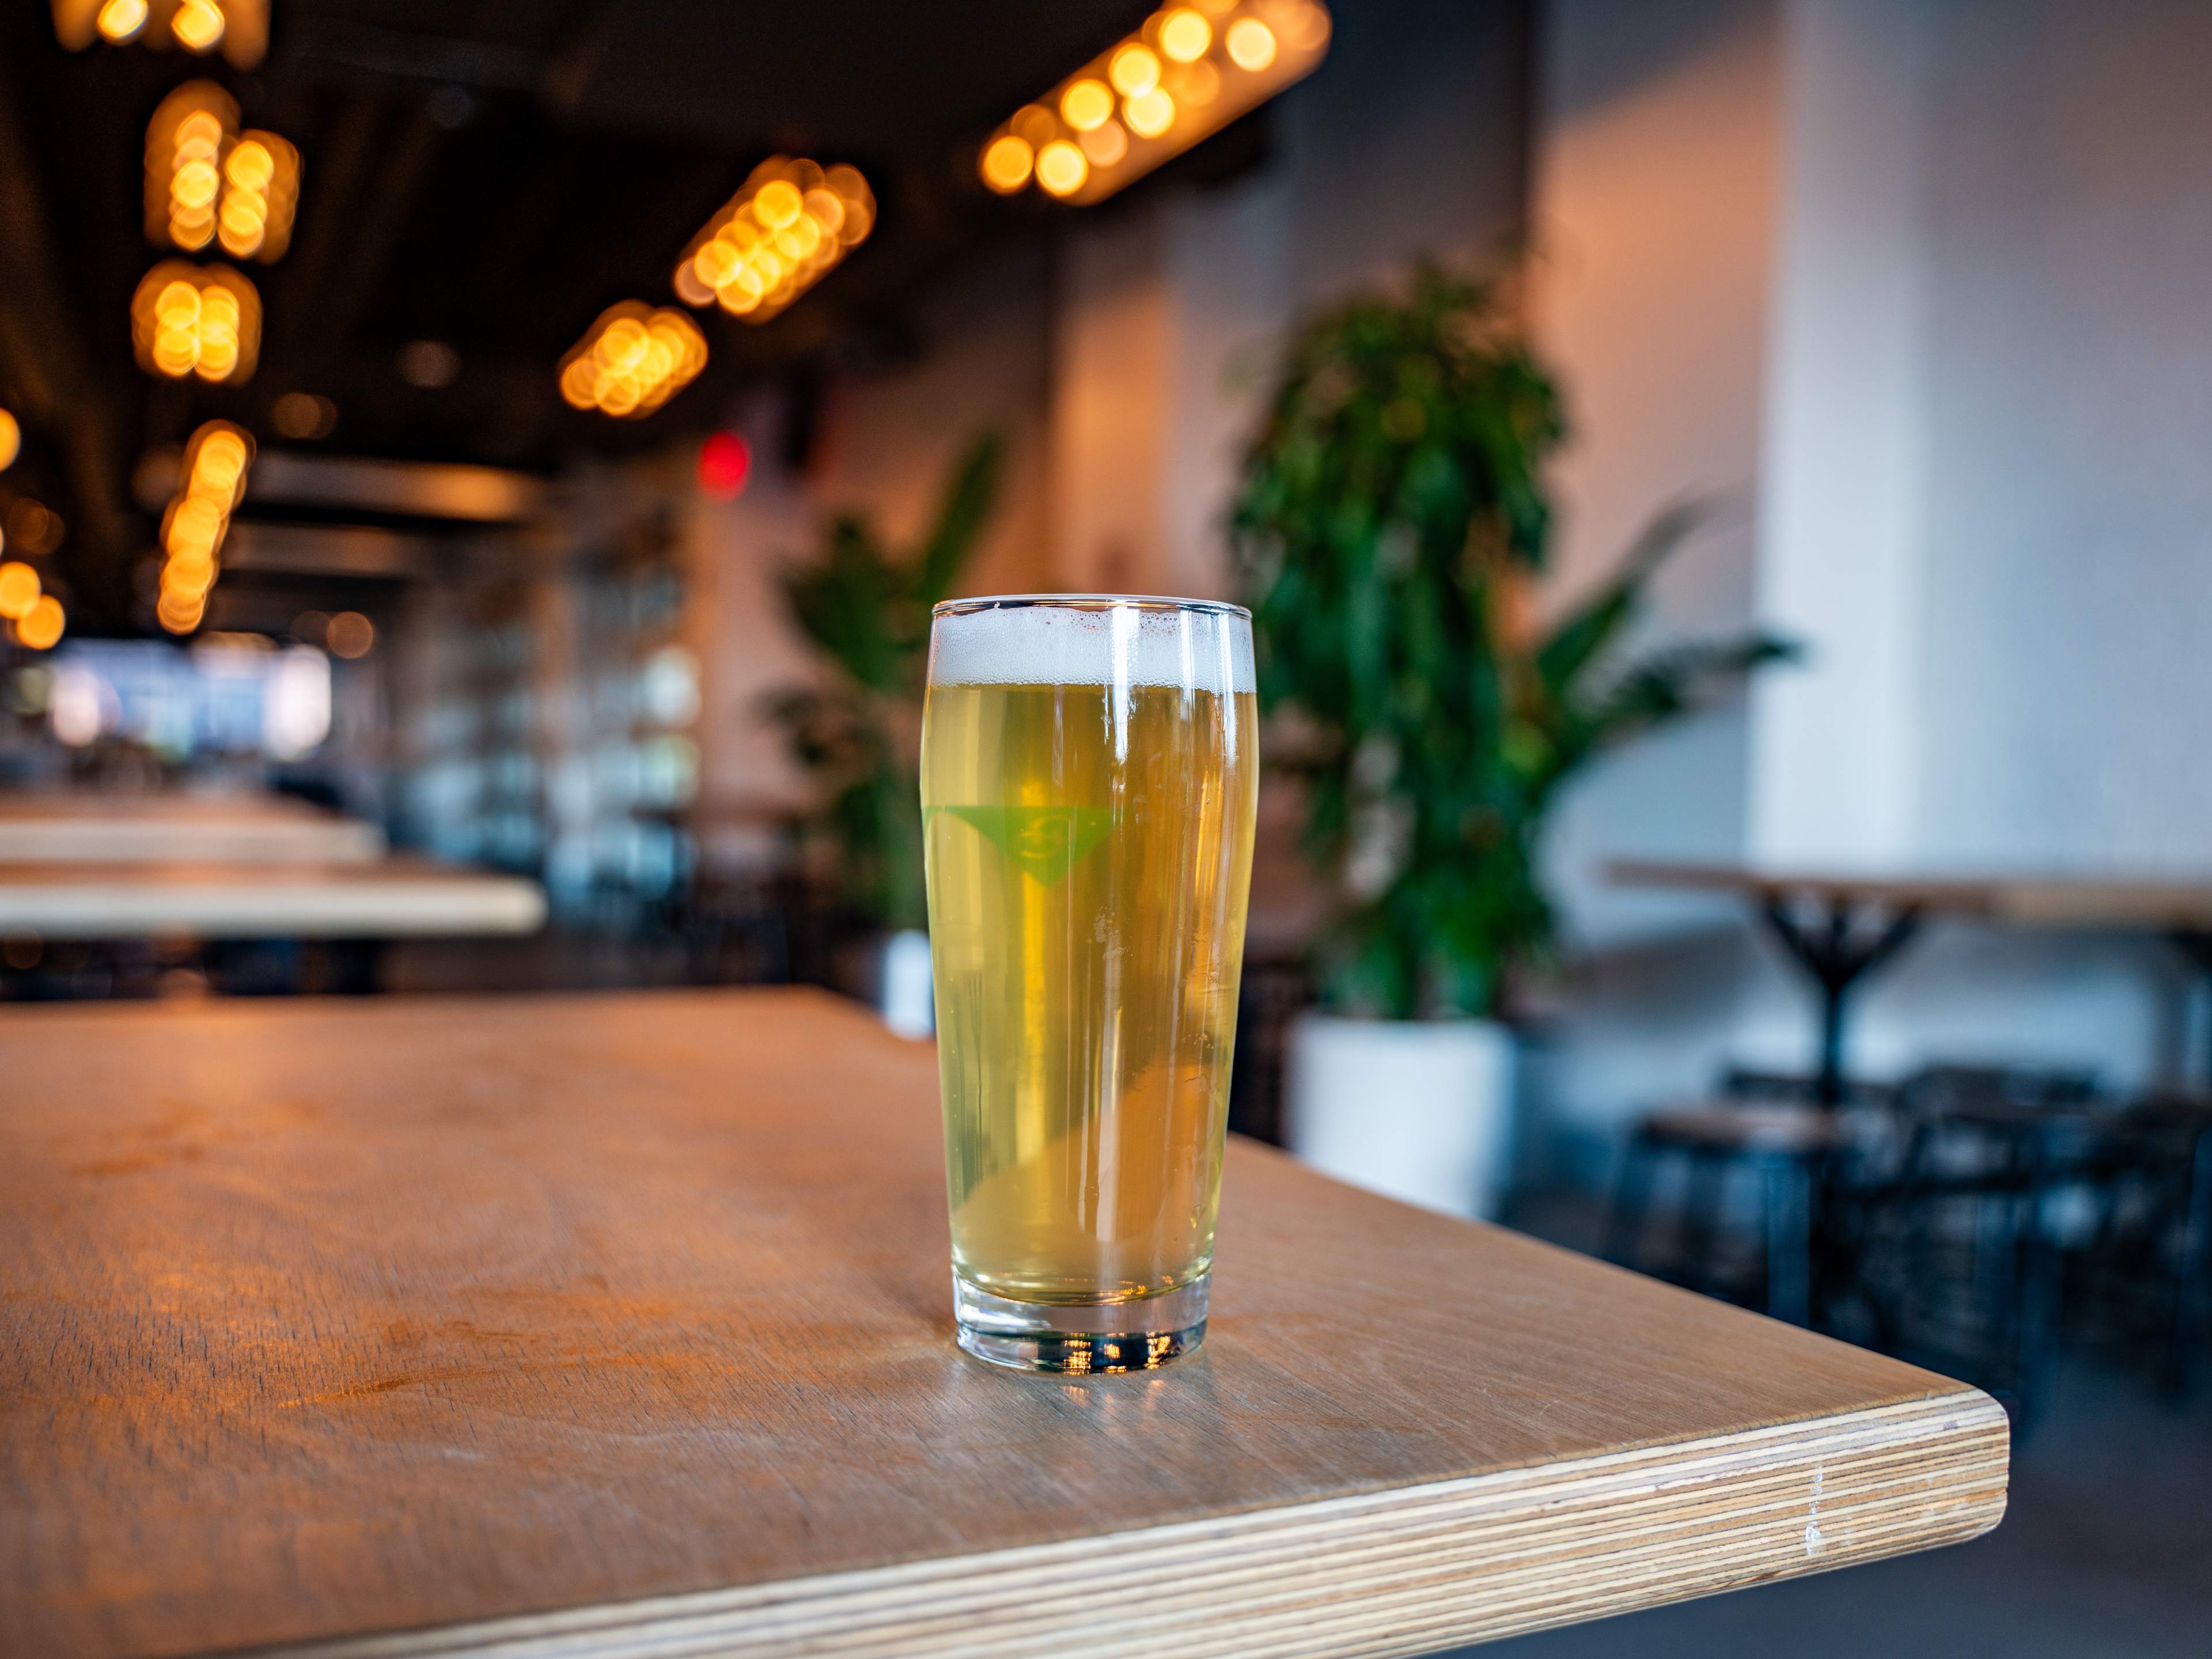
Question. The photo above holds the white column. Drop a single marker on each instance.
(1835, 741)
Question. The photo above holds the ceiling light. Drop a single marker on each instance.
(1184, 34)
(632, 360)
(1061, 167)
(206, 180)
(792, 222)
(1008, 162)
(192, 320)
(1251, 44)
(19, 589)
(40, 627)
(1134, 69)
(192, 530)
(118, 20)
(1086, 104)
(1193, 68)
(238, 28)
(1149, 114)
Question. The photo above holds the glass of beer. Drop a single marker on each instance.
(1089, 767)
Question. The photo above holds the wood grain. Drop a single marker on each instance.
(80, 827)
(620, 1325)
(391, 898)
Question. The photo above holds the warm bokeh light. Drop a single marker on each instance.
(198, 25)
(1134, 69)
(351, 634)
(40, 627)
(632, 360)
(206, 180)
(1184, 34)
(189, 320)
(304, 414)
(1105, 144)
(192, 530)
(1251, 44)
(1007, 160)
(11, 440)
(725, 460)
(1198, 86)
(238, 28)
(19, 589)
(1195, 66)
(32, 527)
(121, 19)
(1061, 167)
(1086, 104)
(779, 235)
(1149, 114)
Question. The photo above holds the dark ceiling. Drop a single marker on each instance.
(488, 173)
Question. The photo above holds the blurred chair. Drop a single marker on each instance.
(1763, 1131)
(1272, 993)
(2010, 1186)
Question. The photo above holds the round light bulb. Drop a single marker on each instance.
(1061, 169)
(198, 25)
(1008, 162)
(826, 207)
(119, 19)
(179, 613)
(41, 626)
(1185, 35)
(777, 204)
(1134, 71)
(1084, 105)
(1251, 44)
(1105, 144)
(250, 166)
(19, 589)
(1150, 114)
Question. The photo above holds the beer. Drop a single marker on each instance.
(1089, 774)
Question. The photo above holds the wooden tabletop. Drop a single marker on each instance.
(85, 826)
(2179, 902)
(392, 898)
(622, 1325)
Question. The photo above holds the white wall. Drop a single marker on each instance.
(982, 363)
(1653, 215)
(1977, 443)
(1835, 741)
(2068, 231)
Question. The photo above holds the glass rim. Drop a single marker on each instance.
(1156, 602)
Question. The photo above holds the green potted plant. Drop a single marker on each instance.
(1389, 528)
(857, 730)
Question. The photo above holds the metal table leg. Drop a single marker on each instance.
(1839, 947)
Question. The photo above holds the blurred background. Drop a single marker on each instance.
(1722, 486)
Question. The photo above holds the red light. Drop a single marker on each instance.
(725, 460)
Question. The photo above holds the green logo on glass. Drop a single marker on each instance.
(1044, 842)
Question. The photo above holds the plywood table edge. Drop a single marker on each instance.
(1398, 1571)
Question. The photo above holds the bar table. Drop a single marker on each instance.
(1841, 926)
(87, 826)
(620, 1325)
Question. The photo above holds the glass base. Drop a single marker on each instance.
(1081, 1339)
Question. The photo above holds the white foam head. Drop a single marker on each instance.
(1087, 642)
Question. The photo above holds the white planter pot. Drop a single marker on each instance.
(903, 988)
(1421, 1111)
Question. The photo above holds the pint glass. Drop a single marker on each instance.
(1089, 772)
